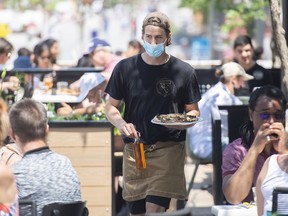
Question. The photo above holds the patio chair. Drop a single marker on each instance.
(280, 201)
(182, 212)
(77, 208)
(27, 207)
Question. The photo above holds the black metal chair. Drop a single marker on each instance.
(27, 208)
(237, 115)
(182, 212)
(77, 208)
(280, 201)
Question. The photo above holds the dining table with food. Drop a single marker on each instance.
(47, 94)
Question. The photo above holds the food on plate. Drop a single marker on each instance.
(176, 118)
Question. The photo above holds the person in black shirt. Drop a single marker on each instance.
(243, 54)
(152, 83)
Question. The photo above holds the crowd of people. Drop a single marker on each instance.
(149, 81)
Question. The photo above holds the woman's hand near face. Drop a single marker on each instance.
(267, 134)
(278, 136)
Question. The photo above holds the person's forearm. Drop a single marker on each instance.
(238, 186)
(114, 115)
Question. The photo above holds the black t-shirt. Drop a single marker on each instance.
(261, 77)
(148, 90)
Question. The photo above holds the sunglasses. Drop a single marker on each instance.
(278, 116)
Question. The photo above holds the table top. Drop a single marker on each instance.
(48, 97)
(235, 210)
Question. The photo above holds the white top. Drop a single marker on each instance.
(199, 137)
(275, 177)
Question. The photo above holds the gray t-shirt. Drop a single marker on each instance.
(46, 177)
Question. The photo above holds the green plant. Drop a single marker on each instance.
(52, 115)
(3, 74)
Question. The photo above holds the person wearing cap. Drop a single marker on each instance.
(153, 83)
(199, 138)
(91, 87)
(102, 56)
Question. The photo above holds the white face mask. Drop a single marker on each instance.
(154, 50)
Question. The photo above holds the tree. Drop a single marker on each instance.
(280, 41)
(238, 13)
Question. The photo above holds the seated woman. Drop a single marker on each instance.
(9, 153)
(91, 87)
(274, 173)
(8, 193)
(232, 76)
(244, 157)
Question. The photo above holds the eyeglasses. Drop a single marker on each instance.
(278, 116)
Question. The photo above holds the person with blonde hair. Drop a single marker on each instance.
(9, 153)
(8, 193)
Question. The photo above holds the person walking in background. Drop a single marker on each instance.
(41, 175)
(152, 83)
(260, 136)
(232, 76)
(244, 54)
(274, 173)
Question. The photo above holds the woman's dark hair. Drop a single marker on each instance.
(270, 91)
(85, 61)
(137, 45)
(39, 49)
(50, 42)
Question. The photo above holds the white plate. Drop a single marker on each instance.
(156, 121)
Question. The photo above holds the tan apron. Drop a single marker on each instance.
(164, 175)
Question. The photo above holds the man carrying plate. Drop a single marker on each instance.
(150, 84)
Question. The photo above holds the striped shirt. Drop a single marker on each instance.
(46, 177)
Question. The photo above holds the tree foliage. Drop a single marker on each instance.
(22, 5)
(238, 13)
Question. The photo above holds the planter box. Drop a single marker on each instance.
(88, 144)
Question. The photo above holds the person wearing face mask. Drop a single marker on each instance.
(152, 83)
(232, 76)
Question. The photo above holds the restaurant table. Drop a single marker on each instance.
(233, 210)
(54, 98)
(57, 98)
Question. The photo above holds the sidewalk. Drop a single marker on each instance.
(200, 200)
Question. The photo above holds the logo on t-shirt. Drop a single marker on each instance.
(165, 87)
(258, 75)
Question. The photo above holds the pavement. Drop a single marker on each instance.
(200, 198)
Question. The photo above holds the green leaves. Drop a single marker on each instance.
(3, 74)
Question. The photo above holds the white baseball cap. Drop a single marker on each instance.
(235, 69)
(89, 81)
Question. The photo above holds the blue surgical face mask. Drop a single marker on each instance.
(154, 50)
